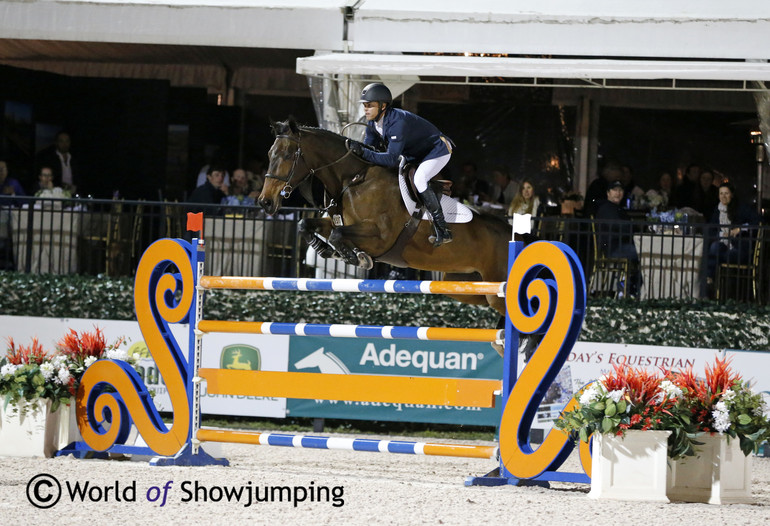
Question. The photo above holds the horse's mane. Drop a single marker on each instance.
(321, 131)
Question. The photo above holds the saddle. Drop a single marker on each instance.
(440, 186)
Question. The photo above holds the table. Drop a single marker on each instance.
(670, 265)
(54, 239)
(233, 245)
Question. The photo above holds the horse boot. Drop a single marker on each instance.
(443, 234)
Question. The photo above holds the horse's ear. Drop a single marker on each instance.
(293, 126)
(276, 126)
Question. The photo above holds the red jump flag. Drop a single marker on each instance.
(195, 222)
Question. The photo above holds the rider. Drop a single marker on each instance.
(400, 132)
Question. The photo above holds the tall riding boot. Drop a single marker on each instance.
(443, 234)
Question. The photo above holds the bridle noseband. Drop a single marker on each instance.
(288, 188)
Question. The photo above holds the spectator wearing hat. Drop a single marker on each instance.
(615, 233)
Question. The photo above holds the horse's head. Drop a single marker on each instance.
(282, 175)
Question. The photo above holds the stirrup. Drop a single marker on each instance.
(446, 237)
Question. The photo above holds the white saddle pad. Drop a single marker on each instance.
(454, 211)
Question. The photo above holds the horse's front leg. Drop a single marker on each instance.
(315, 231)
(342, 238)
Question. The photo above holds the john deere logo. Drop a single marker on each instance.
(240, 356)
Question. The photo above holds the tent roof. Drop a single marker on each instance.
(252, 44)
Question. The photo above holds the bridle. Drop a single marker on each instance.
(288, 188)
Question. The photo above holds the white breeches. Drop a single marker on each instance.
(427, 170)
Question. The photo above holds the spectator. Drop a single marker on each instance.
(503, 189)
(66, 170)
(665, 187)
(9, 185)
(732, 241)
(597, 190)
(240, 192)
(631, 191)
(685, 190)
(526, 202)
(45, 186)
(706, 197)
(615, 237)
(213, 190)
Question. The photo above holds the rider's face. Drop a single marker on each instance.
(371, 109)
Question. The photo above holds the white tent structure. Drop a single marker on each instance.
(225, 44)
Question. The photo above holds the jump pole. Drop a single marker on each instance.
(371, 388)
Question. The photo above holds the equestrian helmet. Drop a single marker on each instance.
(376, 92)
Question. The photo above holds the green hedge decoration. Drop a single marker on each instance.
(701, 324)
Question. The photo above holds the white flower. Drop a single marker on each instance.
(47, 369)
(9, 368)
(728, 395)
(616, 395)
(88, 361)
(590, 395)
(721, 417)
(116, 354)
(671, 389)
(58, 360)
(63, 376)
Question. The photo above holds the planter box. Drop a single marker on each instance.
(36, 431)
(719, 474)
(631, 467)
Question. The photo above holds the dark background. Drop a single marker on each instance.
(148, 140)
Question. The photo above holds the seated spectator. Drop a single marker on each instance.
(732, 241)
(45, 187)
(706, 197)
(526, 202)
(9, 185)
(665, 187)
(632, 193)
(213, 190)
(616, 239)
(597, 190)
(240, 192)
(503, 189)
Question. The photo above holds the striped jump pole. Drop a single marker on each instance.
(348, 444)
(352, 331)
(389, 286)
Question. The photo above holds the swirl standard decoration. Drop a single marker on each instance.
(112, 394)
(541, 298)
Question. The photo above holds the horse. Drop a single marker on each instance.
(367, 215)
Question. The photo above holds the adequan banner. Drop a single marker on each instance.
(394, 357)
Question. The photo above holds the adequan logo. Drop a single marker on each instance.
(240, 357)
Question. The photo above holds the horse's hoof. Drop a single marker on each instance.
(500, 348)
(365, 260)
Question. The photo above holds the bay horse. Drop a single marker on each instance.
(367, 213)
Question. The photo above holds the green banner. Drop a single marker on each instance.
(394, 357)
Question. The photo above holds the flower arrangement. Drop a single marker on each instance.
(30, 373)
(722, 402)
(654, 199)
(631, 398)
(636, 398)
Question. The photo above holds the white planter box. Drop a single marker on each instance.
(37, 432)
(631, 467)
(719, 474)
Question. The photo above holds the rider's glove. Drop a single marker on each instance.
(356, 147)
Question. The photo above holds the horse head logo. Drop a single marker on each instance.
(327, 362)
